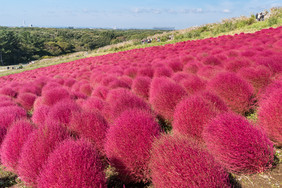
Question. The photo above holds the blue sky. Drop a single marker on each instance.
(125, 13)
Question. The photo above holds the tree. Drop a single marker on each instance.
(10, 48)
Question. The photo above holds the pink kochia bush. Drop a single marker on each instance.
(121, 99)
(90, 125)
(238, 145)
(193, 113)
(61, 112)
(54, 95)
(164, 96)
(177, 161)
(269, 116)
(13, 142)
(234, 91)
(39, 115)
(73, 164)
(141, 86)
(36, 149)
(10, 114)
(128, 144)
(26, 100)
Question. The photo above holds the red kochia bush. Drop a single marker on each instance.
(193, 84)
(101, 92)
(193, 113)
(10, 114)
(8, 91)
(52, 96)
(128, 144)
(269, 116)
(234, 91)
(39, 114)
(13, 142)
(26, 100)
(93, 103)
(164, 96)
(163, 71)
(123, 99)
(259, 77)
(61, 112)
(237, 145)
(36, 149)
(179, 162)
(73, 164)
(141, 86)
(90, 125)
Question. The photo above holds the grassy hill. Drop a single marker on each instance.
(225, 27)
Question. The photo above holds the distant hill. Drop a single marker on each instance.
(24, 44)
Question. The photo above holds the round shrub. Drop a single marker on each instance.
(9, 91)
(193, 113)
(92, 126)
(7, 103)
(259, 77)
(52, 96)
(101, 92)
(128, 144)
(146, 71)
(193, 84)
(164, 96)
(36, 149)
(73, 164)
(85, 89)
(212, 60)
(26, 100)
(179, 162)
(141, 86)
(191, 68)
(269, 116)
(118, 84)
(267, 92)
(61, 112)
(237, 145)
(120, 100)
(175, 65)
(234, 91)
(163, 71)
(39, 115)
(10, 114)
(93, 103)
(13, 142)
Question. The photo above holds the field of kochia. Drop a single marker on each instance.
(166, 116)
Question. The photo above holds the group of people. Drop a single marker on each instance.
(260, 16)
(145, 41)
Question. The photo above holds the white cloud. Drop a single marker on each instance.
(226, 11)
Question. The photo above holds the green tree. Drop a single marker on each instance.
(10, 48)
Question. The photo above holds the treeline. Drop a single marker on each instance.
(21, 44)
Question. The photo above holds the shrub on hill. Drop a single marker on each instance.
(13, 142)
(234, 91)
(180, 162)
(238, 145)
(269, 116)
(36, 149)
(92, 126)
(128, 144)
(73, 164)
(164, 96)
